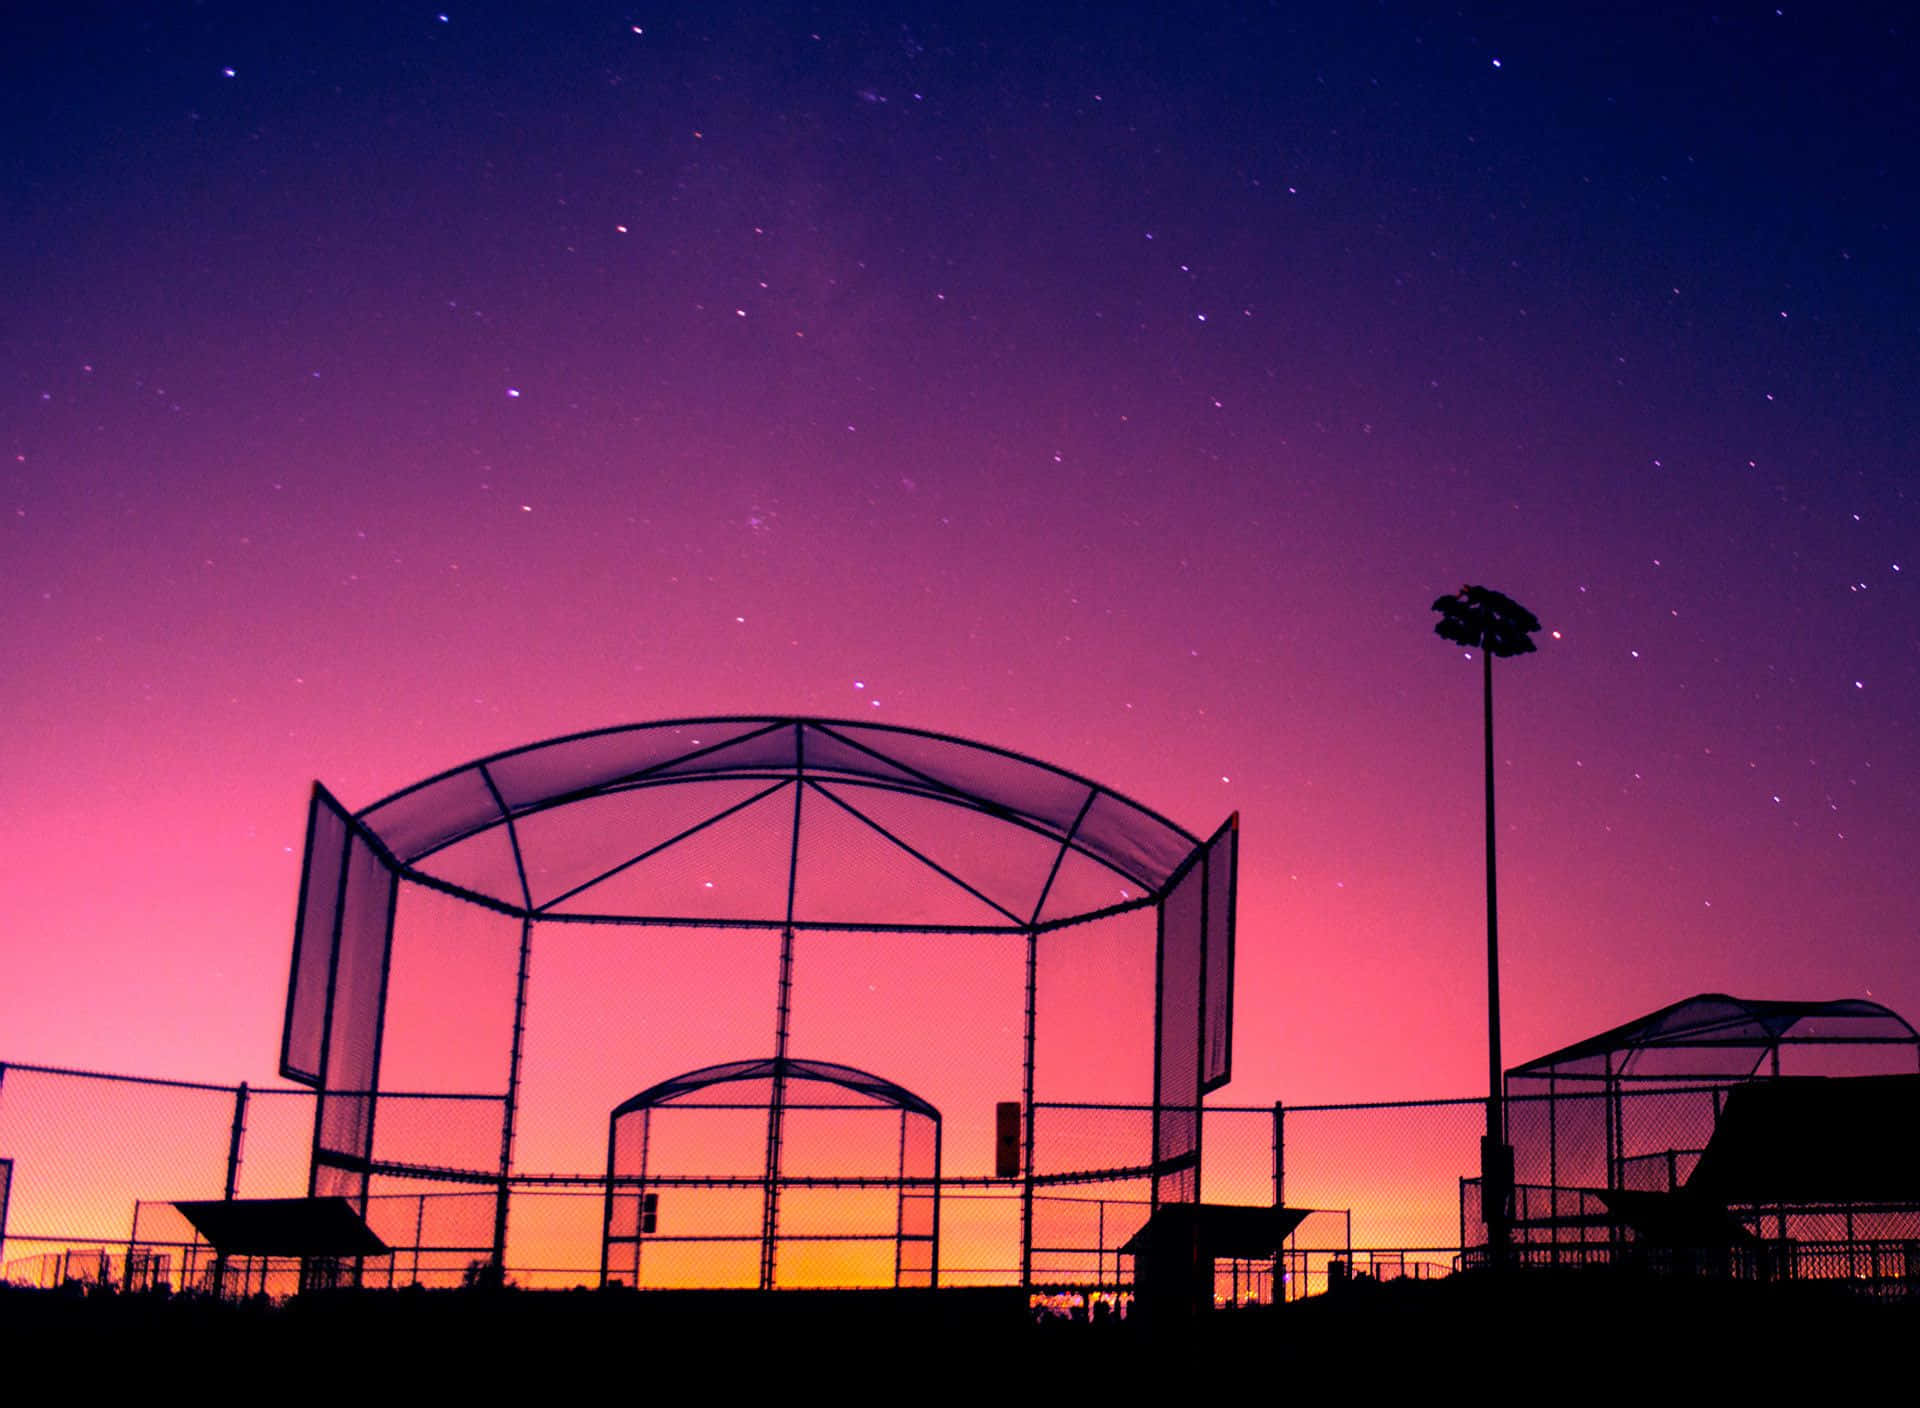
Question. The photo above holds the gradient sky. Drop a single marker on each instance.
(389, 386)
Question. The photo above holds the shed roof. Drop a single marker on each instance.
(1712, 1036)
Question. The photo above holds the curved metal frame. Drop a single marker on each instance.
(877, 1094)
(881, 773)
(1717, 1021)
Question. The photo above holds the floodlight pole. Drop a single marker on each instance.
(1493, 624)
(1496, 1165)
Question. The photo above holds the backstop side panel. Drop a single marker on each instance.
(359, 990)
(354, 995)
(303, 1042)
(1193, 1003)
(1176, 1125)
(1221, 860)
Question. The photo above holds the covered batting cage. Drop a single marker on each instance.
(1723, 1134)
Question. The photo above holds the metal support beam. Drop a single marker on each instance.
(777, 1101)
(1026, 1099)
(503, 1191)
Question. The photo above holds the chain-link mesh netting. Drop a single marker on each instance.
(1109, 966)
(335, 1008)
(82, 1145)
(1805, 1181)
(1176, 1130)
(276, 1148)
(436, 1236)
(1078, 1230)
(1091, 1141)
(450, 995)
(303, 1043)
(980, 1236)
(458, 1133)
(98, 1159)
(1384, 1181)
(1394, 1170)
(87, 1147)
(841, 1169)
(548, 929)
(439, 1233)
(1221, 862)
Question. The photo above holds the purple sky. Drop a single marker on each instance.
(384, 388)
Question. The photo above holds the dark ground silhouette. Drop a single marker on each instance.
(1567, 1335)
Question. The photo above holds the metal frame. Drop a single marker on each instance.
(1603, 1078)
(879, 1095)
(1146, 855)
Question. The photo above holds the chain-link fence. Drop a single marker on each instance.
(1382, 1181)
(98, 1160)
(86, 1147)
(92, 1164)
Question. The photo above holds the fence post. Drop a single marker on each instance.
(1279, 1154)
(419, 1232)
(1026, 1094)
(6, 1188)
(497, 1267)
(234, 1138)
(6, 1177)
(1276, 1271)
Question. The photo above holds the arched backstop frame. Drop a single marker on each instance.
(634, 1182)
(475, 833)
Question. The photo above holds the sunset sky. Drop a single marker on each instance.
(388, 385)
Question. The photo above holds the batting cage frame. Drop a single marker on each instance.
(1720, 1135)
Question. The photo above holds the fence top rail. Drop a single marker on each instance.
(1445, 1102)
(74, 1073)
(8, 1067)
(1479, 1101)
(1110, 1107)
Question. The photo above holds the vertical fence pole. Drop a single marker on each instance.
(933, 1263)
(6, 1176)
(606, 1202)
(900, 1204)
(1276, 1270)
(1553, 1167)
(419, 1234)
(1026, 1096)
(502, 1190)
(235, 1136)
(783, 1016)
(777, 1110)
(1279, 1154)
(234, 1139)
